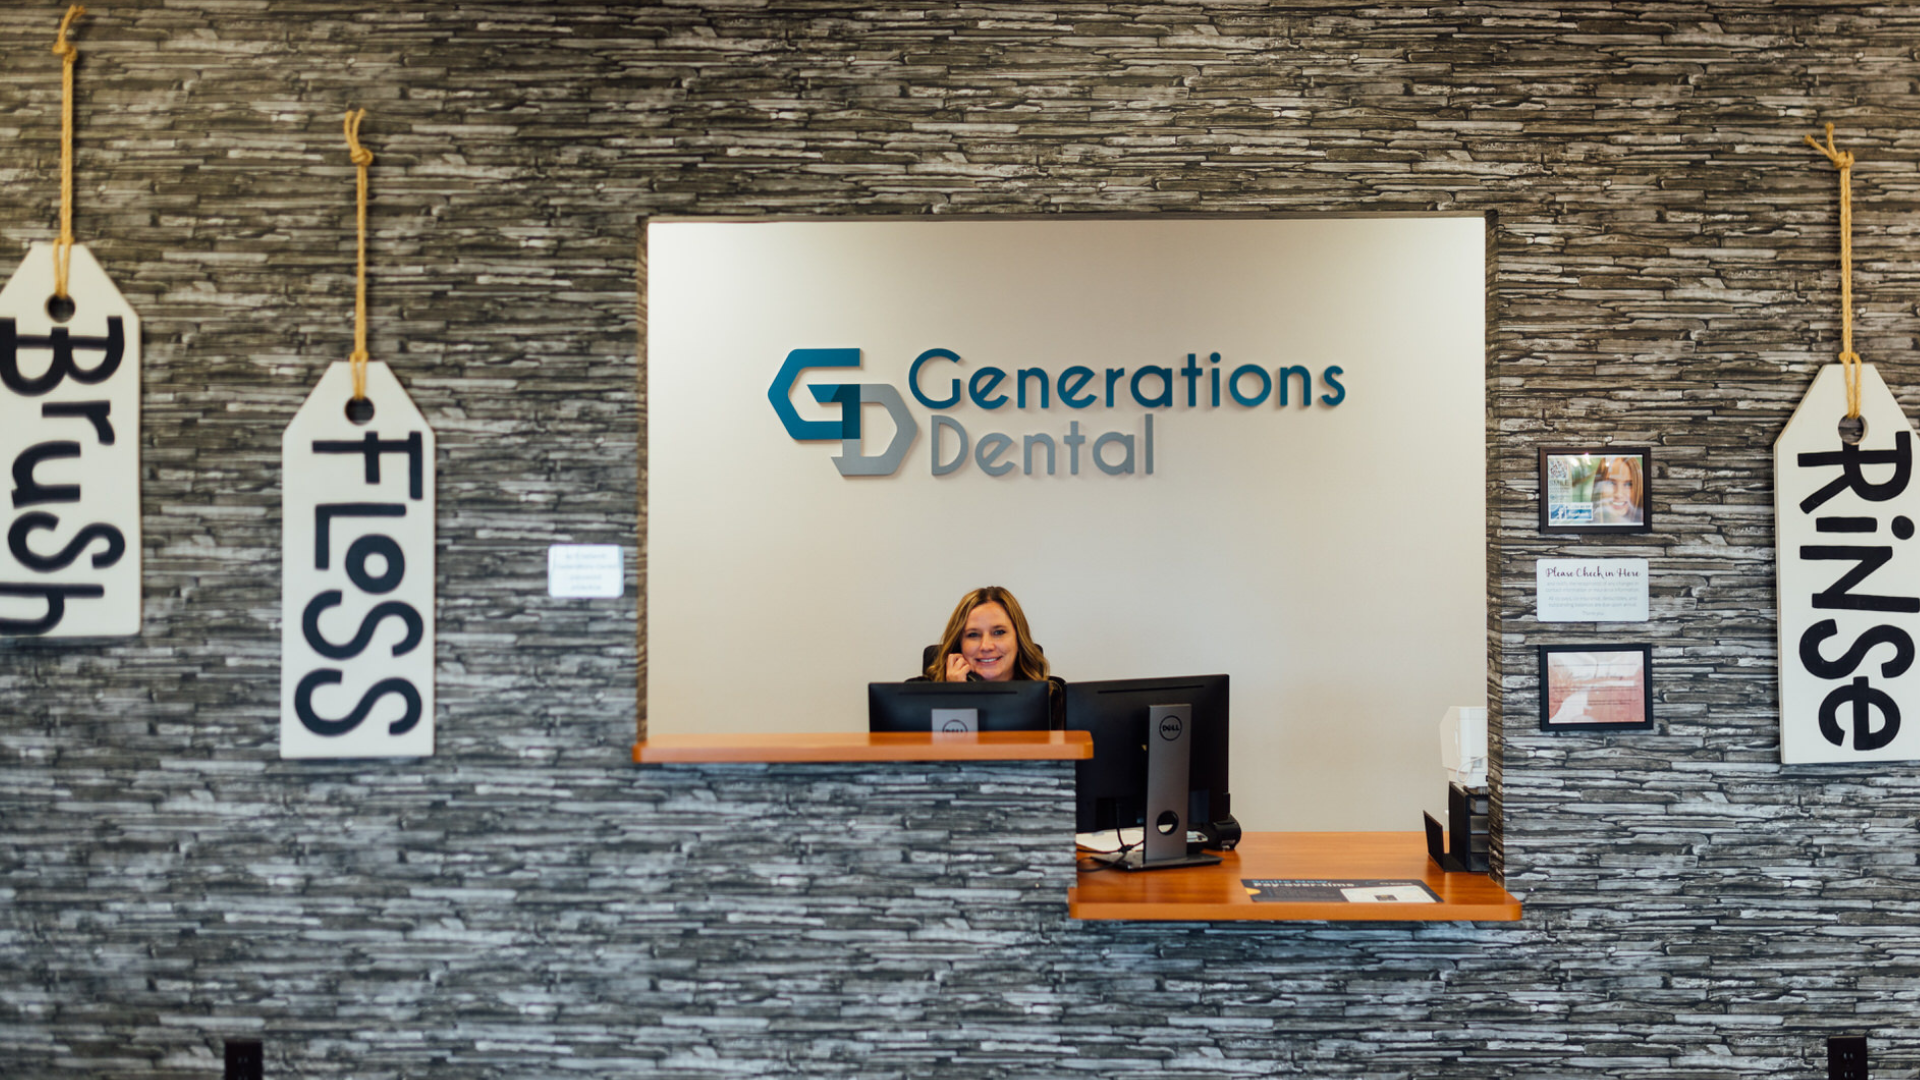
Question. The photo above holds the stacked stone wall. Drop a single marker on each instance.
(528, 903)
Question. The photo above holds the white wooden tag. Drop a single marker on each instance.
(70, 438)
(357, 584)
(1849, 578)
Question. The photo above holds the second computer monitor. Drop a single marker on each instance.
(1111, 787)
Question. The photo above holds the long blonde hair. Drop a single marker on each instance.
(1029, 662)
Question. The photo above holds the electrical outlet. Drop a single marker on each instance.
(246, 1060)
(1847, 1057)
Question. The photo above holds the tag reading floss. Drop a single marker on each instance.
(357, 601)
(70, 439)
(1849, 577)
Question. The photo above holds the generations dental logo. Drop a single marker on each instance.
(1151, 386)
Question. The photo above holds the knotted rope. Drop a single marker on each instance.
(1849, 360)
(63, 247)
(361, 158)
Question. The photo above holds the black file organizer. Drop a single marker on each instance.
(1467, 810)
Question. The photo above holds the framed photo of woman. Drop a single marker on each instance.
(1596, 490)
(1596, 687)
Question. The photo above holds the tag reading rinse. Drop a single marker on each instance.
(357, 637)
(1849, 578)
(70, 439)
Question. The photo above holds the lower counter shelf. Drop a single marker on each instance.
(1214, 893)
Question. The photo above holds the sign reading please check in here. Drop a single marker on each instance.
(1591, 590)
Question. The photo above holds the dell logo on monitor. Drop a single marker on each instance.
(1170, 727)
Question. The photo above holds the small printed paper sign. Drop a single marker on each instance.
(1313, 891)
(1591, 590)
(585, 571)
(357, 627)
(1849, 577)
(70, 436)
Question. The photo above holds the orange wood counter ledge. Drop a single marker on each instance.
(827, 746)
(1214, 893)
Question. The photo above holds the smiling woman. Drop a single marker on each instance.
(987, 640)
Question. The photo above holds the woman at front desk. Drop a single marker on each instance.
(987, 640)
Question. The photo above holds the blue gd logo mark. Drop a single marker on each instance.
(850, 397)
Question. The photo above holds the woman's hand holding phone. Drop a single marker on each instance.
(958, 670)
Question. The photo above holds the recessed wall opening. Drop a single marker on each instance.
(1253, 445)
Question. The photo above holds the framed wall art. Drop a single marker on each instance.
(1596, 687)
(1604, 489)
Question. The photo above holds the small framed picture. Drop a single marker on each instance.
(1596, 687)
(1596, 490)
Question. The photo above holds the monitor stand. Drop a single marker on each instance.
(1169, 747)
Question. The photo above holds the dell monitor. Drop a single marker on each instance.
(1122, 716)
(958, 707)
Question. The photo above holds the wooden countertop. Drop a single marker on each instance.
(865, 746)
(1214, 893)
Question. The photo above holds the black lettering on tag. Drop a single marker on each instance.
(1818, 666)
(63, 344)
(373, 446)
(95, 412)
(388, 549)
(1851, 458)
(310, 627)
(56, 598)
(25, 524)
(314, 722)
(1864, 699)
(1846, 524)
(30, 492)
(1839, 594)
(324, 514)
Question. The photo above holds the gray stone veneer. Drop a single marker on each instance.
(528, 903)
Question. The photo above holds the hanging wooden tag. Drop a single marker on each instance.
(356, 638)
(1849, 578)
(70, 435)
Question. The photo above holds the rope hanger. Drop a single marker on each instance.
(361, 158)
(1849, 360)
(63, 247)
